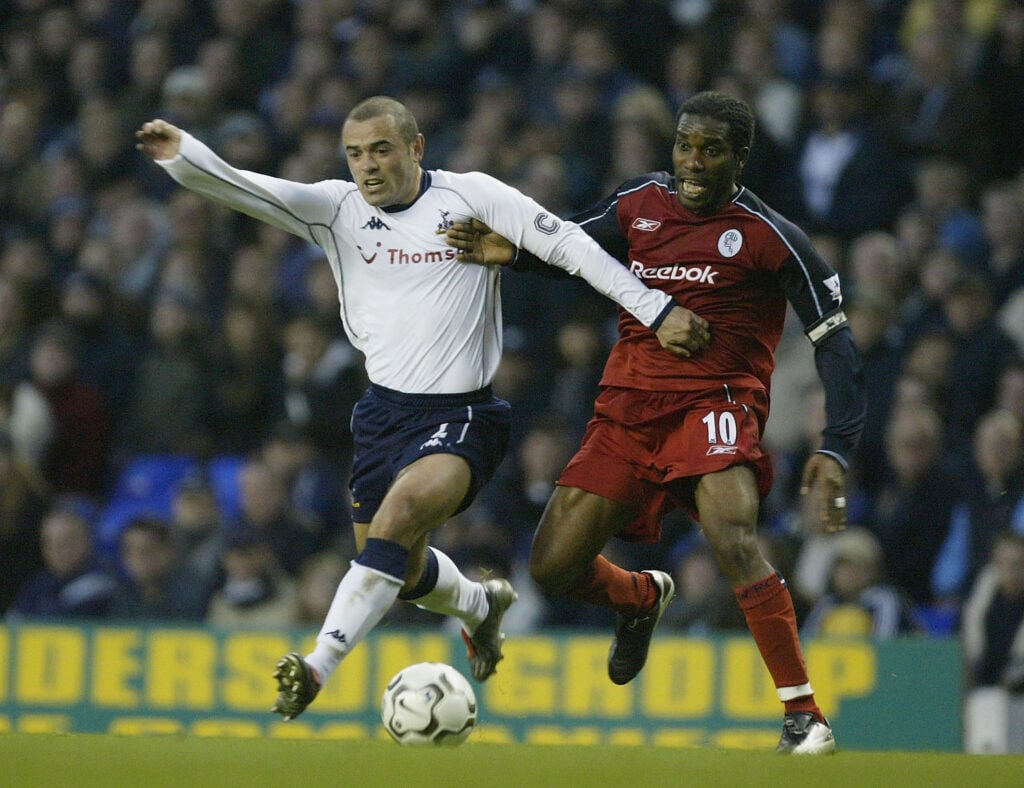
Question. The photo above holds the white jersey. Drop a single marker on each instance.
(426, 323)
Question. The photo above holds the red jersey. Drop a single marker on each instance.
(736, 269)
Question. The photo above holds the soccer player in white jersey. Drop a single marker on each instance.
(428, 432)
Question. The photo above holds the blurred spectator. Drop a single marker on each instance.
(316, 586)
(992, 502)
(942, 187)
(106, 355)
(24, 262)
(21, 170)
(197, 525)
(517, 496)
(158, 587)
(171, 388)
(776, 100)
(582, 351)
(686, 69)
(980, 351)
(858, 602)
(14, 335)
(245, 378)
(875, 265)
(643, 126)
(23, 500)
(323, 378)
(705, 602)
(315, 484)
(26, 417)
(266, 510)
(792, 50)
(1000, 73)
(921, 311)
(72, 583)
(1002, 217)
(77, 458)
(150, 60)
(936, 108)
(1010, 388)
(850, 179)
(255, 592)
(911, 510)
(871, 313)
(993, 620)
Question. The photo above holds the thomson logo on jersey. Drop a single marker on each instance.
(647, 225)
(678, 273)
(375, 223)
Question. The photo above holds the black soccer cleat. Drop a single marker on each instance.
(805, 734)
(633, 638)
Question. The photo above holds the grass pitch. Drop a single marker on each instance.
(186, 761)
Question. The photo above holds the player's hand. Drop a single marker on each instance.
(683, 332)
(158, 139)
(478, 243)
(825, 479)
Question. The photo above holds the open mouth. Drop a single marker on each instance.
(693, 189)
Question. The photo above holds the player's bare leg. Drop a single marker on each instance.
(728, 503)
(565, 561)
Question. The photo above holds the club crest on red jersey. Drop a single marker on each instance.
(730, 242)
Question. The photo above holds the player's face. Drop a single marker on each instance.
(706, 166)
(385, 167)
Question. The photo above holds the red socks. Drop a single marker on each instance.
(631, 594)
(768, 608)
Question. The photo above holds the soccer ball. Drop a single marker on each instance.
(429, 703)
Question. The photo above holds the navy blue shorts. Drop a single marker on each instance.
(392, 430)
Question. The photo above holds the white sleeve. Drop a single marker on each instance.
(286, 204)
(564, 244)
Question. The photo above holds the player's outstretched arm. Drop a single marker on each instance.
(158, 139)
(478, 243)
(825, 478)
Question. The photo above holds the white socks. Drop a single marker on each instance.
(364, 595)
(454, 594)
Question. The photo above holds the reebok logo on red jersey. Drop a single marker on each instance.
(647, 225)
(690, 273)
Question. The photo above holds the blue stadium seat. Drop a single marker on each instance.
(223, 472)
(146, 485)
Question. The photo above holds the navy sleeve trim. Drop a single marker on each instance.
(662, 315)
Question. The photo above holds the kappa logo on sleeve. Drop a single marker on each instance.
(646, 225)
(546, 223)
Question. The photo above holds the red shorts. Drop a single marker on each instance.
(647, 449)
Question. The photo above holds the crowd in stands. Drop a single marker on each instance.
(175, 385)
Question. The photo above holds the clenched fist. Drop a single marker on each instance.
(158, 139)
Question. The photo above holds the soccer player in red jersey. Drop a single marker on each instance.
(685, 432)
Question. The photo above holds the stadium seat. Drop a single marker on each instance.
(145, 486)
(223, 472)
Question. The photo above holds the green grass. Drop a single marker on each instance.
(180, 761)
